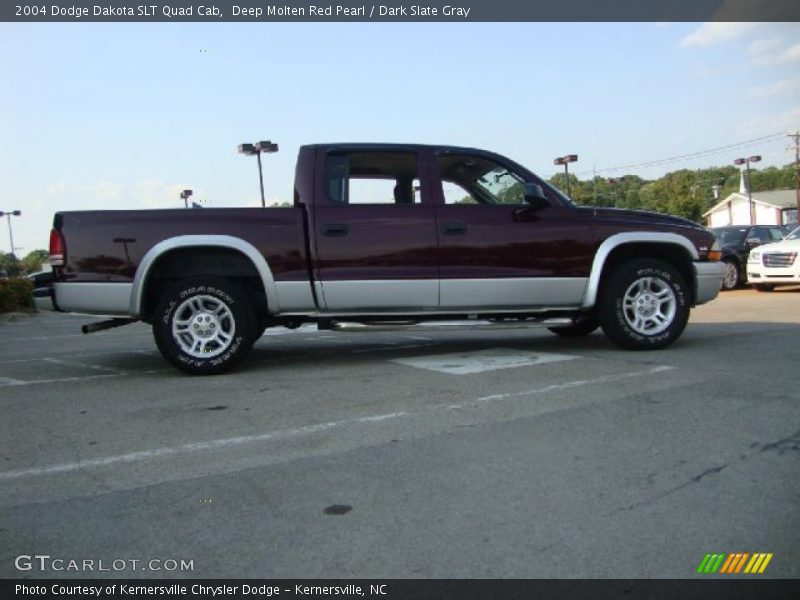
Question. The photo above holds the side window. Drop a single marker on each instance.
(478, 180)
(388, 178)
(455, 194)
(775, 234)
(761, 235)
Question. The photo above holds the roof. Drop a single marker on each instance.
(782, 199)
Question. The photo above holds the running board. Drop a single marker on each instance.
(511, 323)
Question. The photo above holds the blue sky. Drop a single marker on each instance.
(103, 116)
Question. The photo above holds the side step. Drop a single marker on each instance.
(511, 323)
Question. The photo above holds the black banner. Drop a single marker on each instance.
(212, 11)
(404, 589)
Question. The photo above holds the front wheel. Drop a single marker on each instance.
(644, 305)
(204, 326)
(731, 280)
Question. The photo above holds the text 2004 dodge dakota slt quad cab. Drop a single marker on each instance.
(384, 234)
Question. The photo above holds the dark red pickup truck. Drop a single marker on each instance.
(384, 234)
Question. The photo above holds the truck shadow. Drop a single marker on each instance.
(348, 349)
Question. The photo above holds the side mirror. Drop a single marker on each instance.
(534, 195)
(751, 243)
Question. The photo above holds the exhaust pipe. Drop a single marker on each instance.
(109, 324)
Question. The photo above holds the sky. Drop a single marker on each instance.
(121, 116)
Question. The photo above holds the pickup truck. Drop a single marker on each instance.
(384, 235)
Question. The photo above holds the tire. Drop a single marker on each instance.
(764, 287)
(732, 277)
(204, 326)
(644, 305)
(582, 326)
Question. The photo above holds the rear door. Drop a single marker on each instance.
(373, 230)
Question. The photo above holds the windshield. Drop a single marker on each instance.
(730, 236)
(794, 235)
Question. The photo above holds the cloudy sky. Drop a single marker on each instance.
(112, 116)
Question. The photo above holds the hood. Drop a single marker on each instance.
(782, 246)
(642, 216)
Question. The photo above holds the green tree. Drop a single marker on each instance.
(33, 261)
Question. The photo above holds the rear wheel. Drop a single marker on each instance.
(764, 287)
(204, 326)
(644, 305)
(731, 280)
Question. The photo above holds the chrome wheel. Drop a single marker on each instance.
(203, 326)
(649, 305)
(731, 275)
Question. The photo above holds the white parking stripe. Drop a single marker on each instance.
(310, 429)
(8, 382)
(467, 363)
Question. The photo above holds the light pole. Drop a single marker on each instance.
(257, 148)
(565, 160)
(185, 194)
(746, 162)
(13, 213)
(615, 181)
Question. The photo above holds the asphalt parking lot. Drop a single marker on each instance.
(502, 453)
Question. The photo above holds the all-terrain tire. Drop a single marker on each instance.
(644, 304)
(204, 325)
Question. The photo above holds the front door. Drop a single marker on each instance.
(498, 251)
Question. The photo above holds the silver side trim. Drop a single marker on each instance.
(295, 295)
(407, 314)
(381, 293)
(94, 298)
(518, 292)
(187, 241)
(356, 327)
(629, 237)
(708, 278)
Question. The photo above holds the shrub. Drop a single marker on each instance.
(16, 294)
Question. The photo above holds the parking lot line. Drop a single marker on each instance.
(468, 363)
(310, 429)
(71, 363)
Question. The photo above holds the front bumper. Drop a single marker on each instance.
(708, 280)
(759, 274)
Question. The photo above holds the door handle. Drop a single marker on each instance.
(335, 229)
(453, 229)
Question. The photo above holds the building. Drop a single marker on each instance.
(778, 207)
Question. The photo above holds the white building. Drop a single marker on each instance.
(770, 208)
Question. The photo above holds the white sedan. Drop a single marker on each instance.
(775, 264)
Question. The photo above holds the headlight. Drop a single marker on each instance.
(755, 257)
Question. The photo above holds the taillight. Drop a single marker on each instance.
(58, 251)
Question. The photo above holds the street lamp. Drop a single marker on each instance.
(615, 181)
(746, 162)
(185, 194)
(13, 213)
(565, 160)
(257, 148)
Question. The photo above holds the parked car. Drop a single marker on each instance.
(775, 264)
(41, 279)
(736, 242)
